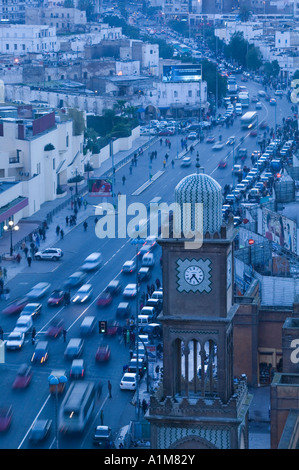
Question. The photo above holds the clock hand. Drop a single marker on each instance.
(193, 275)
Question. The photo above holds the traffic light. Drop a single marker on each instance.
(102, 327)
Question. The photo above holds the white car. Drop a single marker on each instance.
(24, 324)
(53, 254)
(39, 290)
(128, 381)
(258, 105)
(83, 294)
(148, 245)
(130, 290)
(15, 340)
(92, 262)
(129, 267)
(186, 162)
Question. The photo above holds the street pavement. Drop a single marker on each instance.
(77, 245)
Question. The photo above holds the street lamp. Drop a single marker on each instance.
(55, 382)
(10, 228)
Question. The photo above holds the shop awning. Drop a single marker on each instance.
(12, 208)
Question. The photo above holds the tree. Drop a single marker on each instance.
(68, 4)
(209, 71)
(244, 13)
(237, 48)
(254, 58)
(165, 50)
(296, 75)
(271, 69)
(86, 5)
(78, 121)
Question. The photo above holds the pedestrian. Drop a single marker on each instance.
(85, 225)
(1, 285)
(18, 258)
(131, 169)
(61, 234)
(26, 249)
(57, 230)
(124, 179)
(158, 283)
(29, 260)
(128, 337)
(67, 221)
(33, 333)
(161, 141)
(152, 288)
(144, 406)
(102, 417)
(85, 204)
(157, 370)
(119, 333)
(110, 389)
(64, 335)
(125, 335)
(148, 289)
(172, 163)
(164, 163)
(1, 333)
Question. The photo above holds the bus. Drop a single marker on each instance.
(243, 98)
(249, 120)
(77, 406)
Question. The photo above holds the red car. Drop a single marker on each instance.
(104, 299)
(5, 417)
(103, 353)
(263, 125)
(253, 133)
(16, 306)
(112, 329)
(55, 328)
(210, 139)
(56, 298)
(23, 378)
(222, 164)
(166, 132)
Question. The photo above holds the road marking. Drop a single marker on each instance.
(46, 401)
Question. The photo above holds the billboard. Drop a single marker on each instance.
(182, 73)
(279, 229)
(100, 187)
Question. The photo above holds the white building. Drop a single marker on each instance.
(249, 30)
(61, 18)
(42, 152)
(20, 39)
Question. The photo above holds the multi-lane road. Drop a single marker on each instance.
(35, 401)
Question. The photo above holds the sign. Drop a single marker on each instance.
(100, 187)
(279, 229)
(151, 352)
(182, 73)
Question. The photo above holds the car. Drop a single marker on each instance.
(15, 340)
(103, 353)
(40, 430)
(130, 291)
(55, 328)
(83, 294)
(263, 125)
(272, 101)
(53, 254)
(74, 348)
(23, 377)
(123, 310)
(237, 169)
(222, 164)
(210, 139)
(16, 306)
(24, 324)
(31, 309)
(267, 97)
(258, 105)
(77, 370)
(104, 299)
(261, 93)
(56, 298)
(218, 146)
(166, 132)
(128, 267)
(278, 92)
(39, 290)
(74, 280)
(241, 187)
(192, 136)
(92, 262)
(186, 161)
(149, 244)
(144, 274)
(254, 99)
(102, 437)
(253, 133)
(128, 381)
(231, 140)
(41, 353)
(114, 287)
(112, 328)
(153, 330)
(5, 417)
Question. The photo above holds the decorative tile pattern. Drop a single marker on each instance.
(194, 275)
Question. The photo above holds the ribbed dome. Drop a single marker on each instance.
(199, 188)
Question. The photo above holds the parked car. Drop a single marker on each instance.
(128, 381)
(83, 294)
(15, 340)
(16, 306)
(31, 310)
(40, 430)
(76, 279)
(144, 274)
(56, 298)
(103, 353)
(53, 254)
(23, 377)
(39, 290)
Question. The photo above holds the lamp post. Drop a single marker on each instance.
(76, 181)
(55, 381)
(113, 172)
(10, 228)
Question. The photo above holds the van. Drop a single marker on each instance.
(148, 260)
(87, 326)
(123, 310)
(143, 320)
(92, 262)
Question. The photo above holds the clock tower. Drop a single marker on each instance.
(199, 403)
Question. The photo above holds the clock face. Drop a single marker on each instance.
(194, 275)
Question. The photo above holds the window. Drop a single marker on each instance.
(67, 140)
(175, 94)
(189, 93)
(38, 168)
(53, 163)
(15, 46)
(7, 47)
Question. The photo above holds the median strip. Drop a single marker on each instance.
(148, 183)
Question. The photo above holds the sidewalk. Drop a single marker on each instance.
(55, 213)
